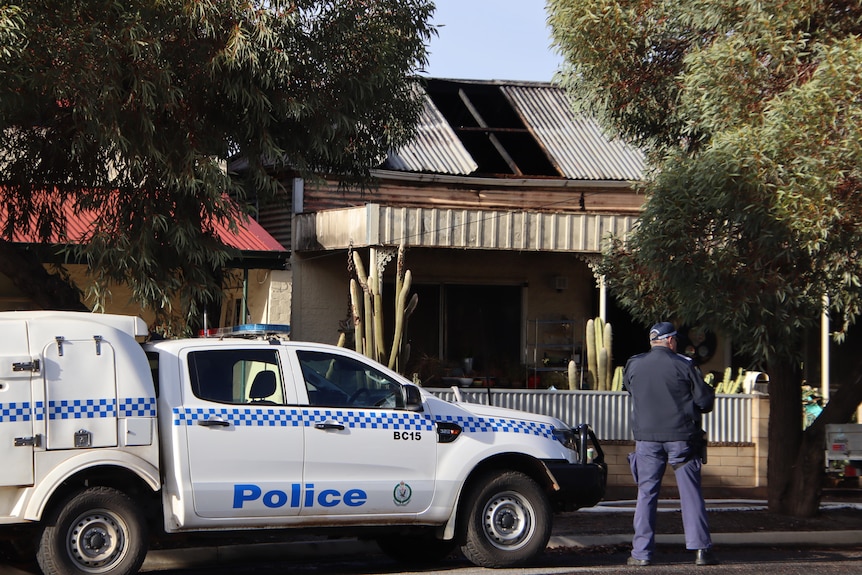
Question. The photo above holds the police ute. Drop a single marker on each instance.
(109, 439)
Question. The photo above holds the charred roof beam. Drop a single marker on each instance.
(491, 136)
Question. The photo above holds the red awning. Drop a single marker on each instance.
(249, 237)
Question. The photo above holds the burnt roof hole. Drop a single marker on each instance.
(490, 129)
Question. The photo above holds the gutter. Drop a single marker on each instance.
(245, 259)
(500, 182)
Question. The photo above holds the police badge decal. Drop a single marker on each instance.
(402, 494)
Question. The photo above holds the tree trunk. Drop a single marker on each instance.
(785, 433)
(48, 290)
(806, 483)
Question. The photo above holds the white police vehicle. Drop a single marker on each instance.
(103, 439)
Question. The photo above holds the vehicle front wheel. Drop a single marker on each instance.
(508, 520)
(98, 530)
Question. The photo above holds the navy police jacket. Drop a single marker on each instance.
(668, 395)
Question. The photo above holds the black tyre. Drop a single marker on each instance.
(416, 548)
(508, 520)
(98, 530)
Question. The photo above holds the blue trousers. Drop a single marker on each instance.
(648, 464)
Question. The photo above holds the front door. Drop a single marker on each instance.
(17, 411)
(364, 452)
(245, 443)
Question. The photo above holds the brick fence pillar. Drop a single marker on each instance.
(760, 437)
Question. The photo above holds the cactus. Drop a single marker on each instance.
(362, 310)
(367, 311)
(602, 369)
(599, 338)
(573, 374)
(740, 380)
(402, 291)
(607, 342)
(730, 384)
(736, 385)
(728, 380)
(617, 384)
(357, 315)
(592, 369)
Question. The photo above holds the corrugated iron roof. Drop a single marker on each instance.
(576, 145)
(435, 149)
(249, 237)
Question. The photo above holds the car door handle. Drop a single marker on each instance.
(329, 425)
(214, 422)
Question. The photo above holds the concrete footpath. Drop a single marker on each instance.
(160, 560)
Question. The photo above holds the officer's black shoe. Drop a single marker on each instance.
(637, 562)
(705, 557)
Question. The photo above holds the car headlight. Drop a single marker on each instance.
(567, 437)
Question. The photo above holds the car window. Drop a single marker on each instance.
(237, 376)
(153, 359)
(338, 381)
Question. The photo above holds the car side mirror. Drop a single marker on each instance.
(412, 398)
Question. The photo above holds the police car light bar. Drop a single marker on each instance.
(249, 330)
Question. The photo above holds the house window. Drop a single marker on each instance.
(454, 322)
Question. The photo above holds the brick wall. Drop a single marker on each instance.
(733, 466)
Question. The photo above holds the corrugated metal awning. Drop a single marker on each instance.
(376, 225)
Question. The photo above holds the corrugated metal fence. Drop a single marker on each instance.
(607, 412)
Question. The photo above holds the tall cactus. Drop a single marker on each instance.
(367, 310)
(617, 384)
(592, 366)
(599, 338)
(608, 341)
(572, 372)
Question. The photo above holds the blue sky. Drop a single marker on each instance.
(492, 40)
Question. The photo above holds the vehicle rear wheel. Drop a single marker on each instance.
(416, 548)
(98, 530)
(508, 520)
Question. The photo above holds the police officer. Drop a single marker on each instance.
(668, 397)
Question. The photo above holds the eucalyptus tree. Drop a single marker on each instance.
(751, 116)
(129, 109)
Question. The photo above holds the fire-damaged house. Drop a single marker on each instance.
(502, 201)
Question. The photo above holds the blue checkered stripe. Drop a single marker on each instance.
(82, 408)
(138, 407)
(296, 417)
(240, 416)
(473, 424)
(355, 419)
(78, 409)
(15, 411)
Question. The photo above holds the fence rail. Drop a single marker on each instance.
(607, 412)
